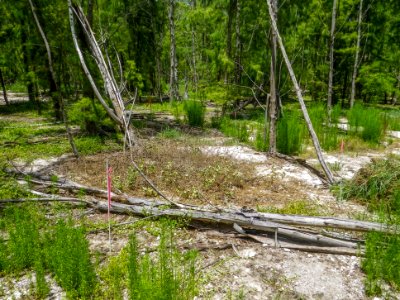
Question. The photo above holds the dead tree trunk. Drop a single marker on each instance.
(195, 79)
(355, 68)
(331, 49)
(55, 91)
(3, 86)
(300, 97)
(273, 88)
(111, 87)
(173, 80)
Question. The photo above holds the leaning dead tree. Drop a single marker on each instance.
(300, 96)
(55, 91)
(117, 109)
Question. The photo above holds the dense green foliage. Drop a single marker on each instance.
(221, 53)
(35, 243)
(378, 185)
(172, 275)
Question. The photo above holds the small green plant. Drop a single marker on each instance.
(69, 259)
(195, 113)
(170, 275)
(90, 116)
(368, 123)
(382, 261)
(170, 133)
(378, 185)
(290, 133)
(300, 207)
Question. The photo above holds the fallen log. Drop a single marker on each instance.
(296, 220)
(226, 218)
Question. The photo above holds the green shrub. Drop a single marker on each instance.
(90, 116)
(382, 261)
(195, 113)
(170, 275)
(327, 133)
(368, 123)
(290, 130)
(235, 128)
(378, 185)
(69, 259)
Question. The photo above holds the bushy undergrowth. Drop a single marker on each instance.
(366, 122)
(326, 131)
(290, 131)
(194, 113)
(90, 116)
(35, 243)
(169, 275)
(378, 185)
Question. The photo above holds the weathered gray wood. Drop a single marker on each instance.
(355, 67)
(314, 137)
(111, 86)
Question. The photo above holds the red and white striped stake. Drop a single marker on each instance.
(109, 171)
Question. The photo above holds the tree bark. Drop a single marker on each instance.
(231, 9)
(194, 64)
(238, 46)
(313, 135)
(331, 58)
(111, 87)
(273, 88)
(55, 92)
(3, 86)
(173, 80)
(355, 67)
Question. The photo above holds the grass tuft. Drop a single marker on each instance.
(195, 113)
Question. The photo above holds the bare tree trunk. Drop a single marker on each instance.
(231, 9)
(273, 89)
(117, 113)
(331, 49)
(238, 53)
(355, 68)
(300, 97)
(195, 79)
(56, 93)
(173, 80)
(3, 86)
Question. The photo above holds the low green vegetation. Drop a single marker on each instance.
(36, 243)
(44, 246)
(298, 207)
(378, 186)
(194, 113)
(366, 122)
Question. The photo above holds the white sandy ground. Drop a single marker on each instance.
(23, 287)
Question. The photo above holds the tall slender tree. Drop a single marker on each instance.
(355, 67)
(272, 84)
(173, 81)
(331, 56)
